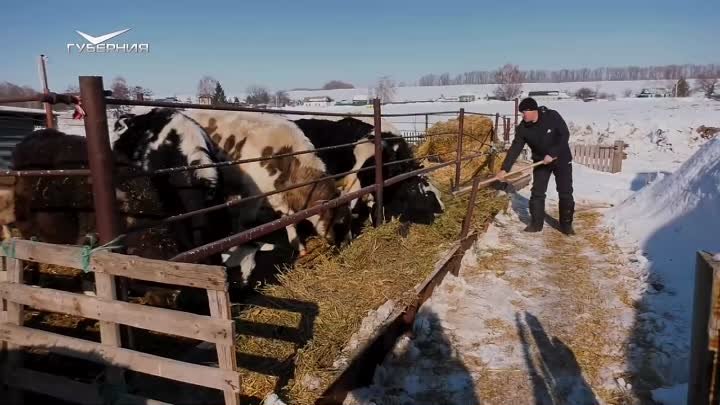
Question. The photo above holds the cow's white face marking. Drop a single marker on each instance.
(396, 147)
(429, 188)
(244, 257)
(123, 126)
(193, 145)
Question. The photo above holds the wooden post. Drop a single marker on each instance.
(703, 347)
(426, 124)
(617, 156)
(14, 317)
(220, 308)
(458, 156)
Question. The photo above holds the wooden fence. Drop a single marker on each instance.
(218, 328)
(605, 158)
(703, 386)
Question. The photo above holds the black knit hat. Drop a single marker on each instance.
(528, 104)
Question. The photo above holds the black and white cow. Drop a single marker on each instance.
(165, 138)
(413, 200)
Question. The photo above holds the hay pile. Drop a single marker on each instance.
(291, 336)
(442, 139)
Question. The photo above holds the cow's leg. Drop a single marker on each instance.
(294, 239)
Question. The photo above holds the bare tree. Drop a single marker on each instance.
(206, 87)
(706, 83)
(73, 89)
(120, 89)
(585, 92)
(257, 95)
(445, 79)
(682, 88)
(281, 98)
(147, 93)
(510, 81)
(385, 89)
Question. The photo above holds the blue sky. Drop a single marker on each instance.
(286, 44)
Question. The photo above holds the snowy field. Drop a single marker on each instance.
(418, 93)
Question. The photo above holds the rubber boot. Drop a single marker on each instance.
(537, 216)
(567, 209)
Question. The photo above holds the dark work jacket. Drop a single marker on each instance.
(548, 136)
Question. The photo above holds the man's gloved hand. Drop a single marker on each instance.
(501, 175)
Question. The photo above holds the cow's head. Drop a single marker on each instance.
(414, 200)
(163, 138)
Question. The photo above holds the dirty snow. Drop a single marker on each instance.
(470, 344)
(519, 324)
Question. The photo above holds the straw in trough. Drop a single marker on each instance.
(317, 306)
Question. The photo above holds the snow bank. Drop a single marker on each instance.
(670, 220)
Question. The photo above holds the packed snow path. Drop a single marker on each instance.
(533, 318)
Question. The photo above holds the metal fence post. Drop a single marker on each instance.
(101, 164)
(426, 123)
(517, 101)
(471, 205)
(49, 119)
(458, 162)
(497, 124)
(379, 214)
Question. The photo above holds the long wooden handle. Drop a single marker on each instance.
(493, 179)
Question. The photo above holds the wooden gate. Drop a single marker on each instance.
(218, 328)
(604, 158)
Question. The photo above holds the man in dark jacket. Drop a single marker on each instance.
(547, 135)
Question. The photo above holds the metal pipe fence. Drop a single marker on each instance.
(95, 101)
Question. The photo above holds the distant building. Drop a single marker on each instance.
(317, 101)
(15, 124)
(549, 95)
(654, 92)
(205, 100)
(466, 98)
(361, 99)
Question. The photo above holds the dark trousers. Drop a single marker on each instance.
(563, 180)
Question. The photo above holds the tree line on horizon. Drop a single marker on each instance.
(627, 73)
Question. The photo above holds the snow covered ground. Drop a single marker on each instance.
(666, 207)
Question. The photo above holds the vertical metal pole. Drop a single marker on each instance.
(516, 110)
(101, 164)
(471, 205)
(379, 214)
(100, 157)
(49, 119)
(497, 124)
(458, 162)
(426, 123)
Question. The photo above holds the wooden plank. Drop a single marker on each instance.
(205, 376)
(617, 156)
(59, 255)
(185, 274)
(109, 331)
(594, 156)
(14, 316)
(162, 320)
(69, 390)
(161, 271)
(700, 355)
(220, 308)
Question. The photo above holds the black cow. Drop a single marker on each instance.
(413, 200)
